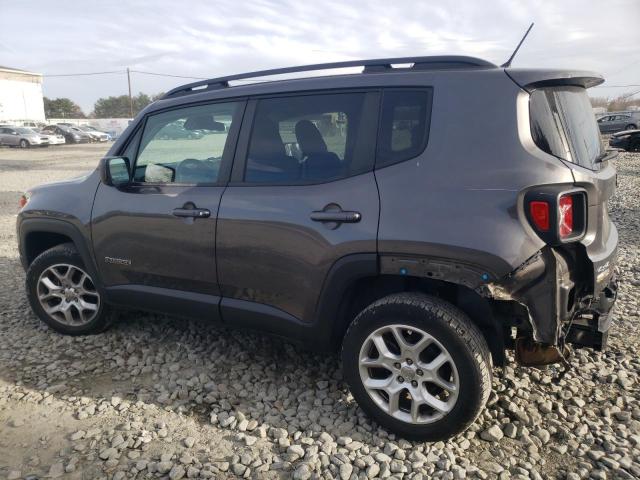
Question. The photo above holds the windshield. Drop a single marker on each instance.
(563, 124)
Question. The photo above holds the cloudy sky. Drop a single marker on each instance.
(212, 38)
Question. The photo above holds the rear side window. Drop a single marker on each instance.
(563, 125)
(404, 125)
(311, 138)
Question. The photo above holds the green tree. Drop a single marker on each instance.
(118, 107)
(62, 108)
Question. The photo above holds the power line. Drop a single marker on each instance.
(618, 86)
(167, 75)
(122, 72)
(142, 72)
(84, 74)
(628, 65)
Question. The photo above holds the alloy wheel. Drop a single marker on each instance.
(68, 295)
(409, 374)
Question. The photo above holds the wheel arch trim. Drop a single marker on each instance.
(30, 226)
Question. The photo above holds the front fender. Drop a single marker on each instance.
(82, 240)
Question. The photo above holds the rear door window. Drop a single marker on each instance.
(563, 125)
(311, 138)
(404, 125)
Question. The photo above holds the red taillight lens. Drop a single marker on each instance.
(23, 201)
(565, 216)
(540, 214)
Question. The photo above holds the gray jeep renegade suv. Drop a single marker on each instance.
(421, 217)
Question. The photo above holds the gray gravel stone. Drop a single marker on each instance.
(492, 434)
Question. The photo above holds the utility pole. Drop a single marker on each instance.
(130, 97)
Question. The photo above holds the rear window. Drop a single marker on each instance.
(404, 125)
(563, 124)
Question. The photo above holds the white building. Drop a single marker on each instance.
(20, 95)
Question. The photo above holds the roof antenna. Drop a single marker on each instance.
(507, 64)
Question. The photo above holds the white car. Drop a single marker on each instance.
(96, 135)
(54, 138)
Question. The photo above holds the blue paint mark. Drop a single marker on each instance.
(403, 271)
(485, 276)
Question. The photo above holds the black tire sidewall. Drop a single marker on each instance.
(39, 265)
(470, 376)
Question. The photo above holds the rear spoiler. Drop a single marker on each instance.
(531, 78)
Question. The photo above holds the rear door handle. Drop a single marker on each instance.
(192, 212)
(338, 217)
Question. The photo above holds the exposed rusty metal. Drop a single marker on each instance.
(533, 354)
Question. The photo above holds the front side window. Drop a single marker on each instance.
(563, 125)
(307, 139)
(184, 146)
(404, 125)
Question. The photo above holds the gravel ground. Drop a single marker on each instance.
(159, 397)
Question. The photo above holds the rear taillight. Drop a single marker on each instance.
(24, 199)
(557, 215)
(565, 216)
(540, 214)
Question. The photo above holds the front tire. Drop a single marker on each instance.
(631, 126)
(63, 294)
(418, 366)
(24, 143)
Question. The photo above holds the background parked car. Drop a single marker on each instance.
(54, 138)
(22, 137)
(95, 134)
(35, 125)
(617, 122)
(70, 135)
(628, 140)
(176, 130)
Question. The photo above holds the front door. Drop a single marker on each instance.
(155, 238)
(303, 195)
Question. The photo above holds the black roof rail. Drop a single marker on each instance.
(377, 65)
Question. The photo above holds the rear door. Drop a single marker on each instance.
(303, 195)
(155, 238)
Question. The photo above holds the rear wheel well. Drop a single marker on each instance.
(365, 291)
(37, 242)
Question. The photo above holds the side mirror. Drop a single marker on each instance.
(115, 171)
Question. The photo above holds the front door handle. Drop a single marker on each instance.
(192, 212)
(338, 217)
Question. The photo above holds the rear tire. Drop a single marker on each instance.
(431, 387)
(631, 126)
(63, 294)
